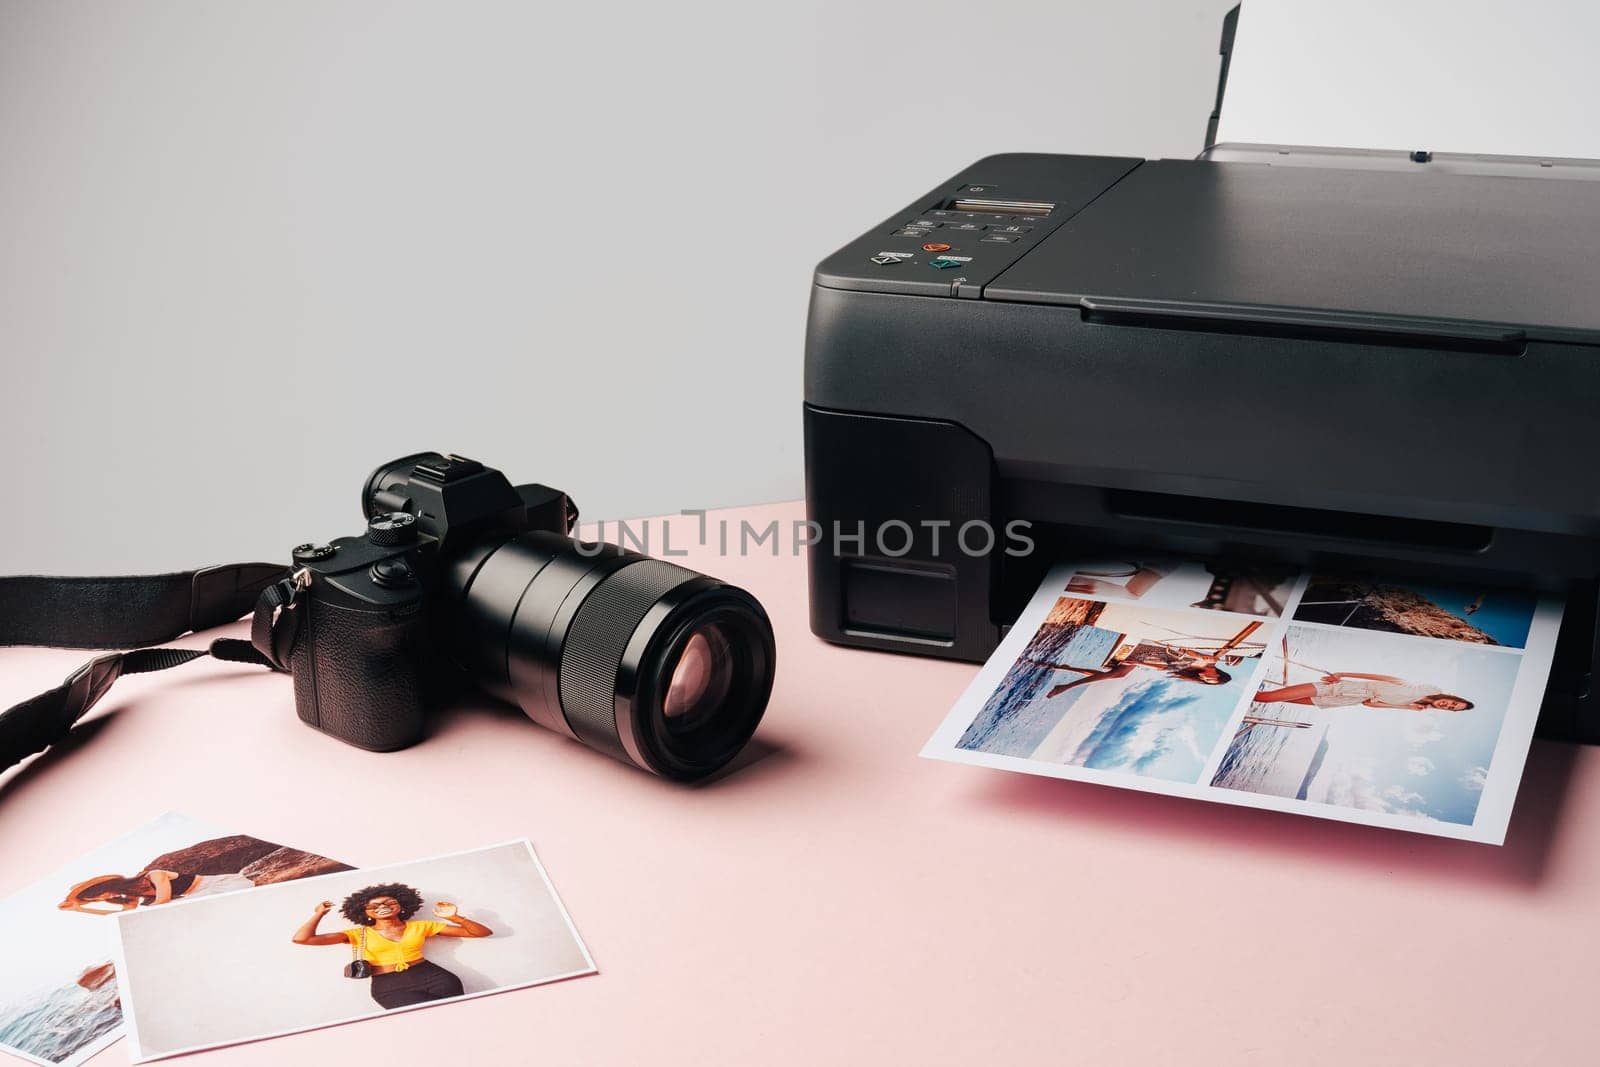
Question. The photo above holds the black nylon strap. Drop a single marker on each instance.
(102, 612)
(128, 611)
(272, 630)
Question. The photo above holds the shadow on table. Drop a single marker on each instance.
(763, 757)
(82, 735)
(104, 719)
(1521, 861)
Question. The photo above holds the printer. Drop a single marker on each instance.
(1384, 361)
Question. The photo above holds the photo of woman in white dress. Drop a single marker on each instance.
(1344, 689)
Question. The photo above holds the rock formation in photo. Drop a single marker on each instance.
(287, 864)
(263, 862)
(97, 976)
(1394, 609)
(1073, 612)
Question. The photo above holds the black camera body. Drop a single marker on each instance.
(460, 572)
(360, 632)
(359, 641)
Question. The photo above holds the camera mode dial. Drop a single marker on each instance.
(392, 528)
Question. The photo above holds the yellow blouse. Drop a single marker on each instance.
(397, 954)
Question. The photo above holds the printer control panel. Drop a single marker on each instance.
(950, 238)
(961, 236)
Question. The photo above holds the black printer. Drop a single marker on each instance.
(1387, 361)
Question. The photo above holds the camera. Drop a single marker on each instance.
(460, 572)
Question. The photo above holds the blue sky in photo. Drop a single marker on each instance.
(1505, 614)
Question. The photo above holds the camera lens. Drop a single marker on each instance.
(644, 660)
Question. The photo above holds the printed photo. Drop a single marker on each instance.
(1245, 590)
(342, 947)
(1386, 728)
(1486, 615)
(1359, 720)
(1121, 687)
(59, 1000)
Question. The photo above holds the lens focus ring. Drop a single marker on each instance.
(593, 651)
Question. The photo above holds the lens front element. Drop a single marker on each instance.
(700, 680)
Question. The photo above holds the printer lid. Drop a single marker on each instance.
(1435, 75)
(1478, 257)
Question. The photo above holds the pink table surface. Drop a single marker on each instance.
(839, 899)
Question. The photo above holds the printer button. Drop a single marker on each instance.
(910, 231)
(965, 227)
(999, 239)
(927, 224)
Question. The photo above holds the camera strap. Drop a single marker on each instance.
(130, 611)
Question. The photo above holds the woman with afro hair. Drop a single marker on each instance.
(391, 944)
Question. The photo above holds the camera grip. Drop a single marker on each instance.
(357, 673)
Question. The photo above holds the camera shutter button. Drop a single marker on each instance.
(392, 528)
(392, 573)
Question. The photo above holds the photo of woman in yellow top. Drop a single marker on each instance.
(392, 945)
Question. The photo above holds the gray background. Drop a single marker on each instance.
(249, 250)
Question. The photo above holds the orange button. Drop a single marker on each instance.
(931, 247)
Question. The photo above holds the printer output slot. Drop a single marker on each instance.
(1384, 530)
(1299, 325)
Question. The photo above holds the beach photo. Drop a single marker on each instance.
(1486, 615)
(1244, 589)
(59, 1000)
(1399, 726)
(342, 947)
(1122, 688)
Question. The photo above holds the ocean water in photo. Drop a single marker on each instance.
(1279, 760)
(55, 1025)
(1014, 720)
